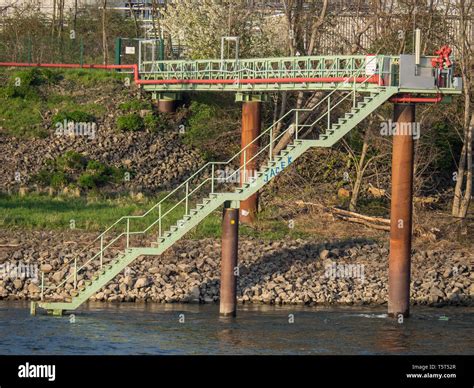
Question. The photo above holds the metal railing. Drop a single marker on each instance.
(187, 193)
(284, 67)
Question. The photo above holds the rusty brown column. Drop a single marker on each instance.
(166, 106)
(251, 125)
(401, 213)
(166, 102)
(230, 244)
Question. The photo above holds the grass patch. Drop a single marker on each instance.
(56, 213)
(22, 118)
(135, 105)
(92, 77)
(23, 98)
(131, 122)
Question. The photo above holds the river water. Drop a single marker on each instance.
(197, 329)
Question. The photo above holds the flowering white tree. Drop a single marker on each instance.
(200, 25)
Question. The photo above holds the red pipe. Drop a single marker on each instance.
(408, 99)
(373, 79)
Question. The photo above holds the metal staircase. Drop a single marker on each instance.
(209, 188)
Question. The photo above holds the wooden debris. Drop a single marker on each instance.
(346, 215)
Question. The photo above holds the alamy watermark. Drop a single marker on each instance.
(229, 175)
(390, 128)
(344, 271)
(18, 271)
(72, 128)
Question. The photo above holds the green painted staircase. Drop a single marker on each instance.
(204, 192)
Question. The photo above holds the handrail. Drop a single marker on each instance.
(297, 124)
(186, 183)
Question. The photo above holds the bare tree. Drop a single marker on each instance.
(466, 63)
(53, 21)
(105, 47)
(300, 20)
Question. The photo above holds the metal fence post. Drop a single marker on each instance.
(101, 250)
(296, 124)
(212, 179)
(354, 91)
(245, 166)
(329, 112)
(159, 220)
(270, 156)
(42, 285)
(75, 273)
(187, 198)
(128, 232)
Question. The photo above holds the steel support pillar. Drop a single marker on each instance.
(166, 102)
(251, 126)
(166, 106)
(401, 212)
(230, 246)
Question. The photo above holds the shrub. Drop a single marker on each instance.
(134, 105)
(88, 181)
(74, 169)
(29, 79)
(76, 116)
(71, 161)
(155, 123)
(58, 180)
(130, 122)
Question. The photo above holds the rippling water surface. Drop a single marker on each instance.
(159, 329)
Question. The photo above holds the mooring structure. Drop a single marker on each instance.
(358, 83)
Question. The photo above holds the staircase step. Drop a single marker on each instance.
(117, 264)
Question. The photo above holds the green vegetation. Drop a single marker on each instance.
(44, 212)
(22, 118)
(130, 122)
(21, 102)
(89, 78)
(76, 116)
(133, 121)
(74, 170)
(155, 123)
(135, 105)
(25, 83)
(25, 96)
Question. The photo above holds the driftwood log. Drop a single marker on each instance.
(346, 215)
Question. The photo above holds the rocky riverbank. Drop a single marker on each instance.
(278, 272)
(158, 160)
